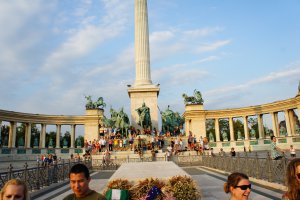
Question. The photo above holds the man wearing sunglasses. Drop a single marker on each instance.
(275, 151)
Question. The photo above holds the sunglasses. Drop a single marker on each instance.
(244, 187)
(298, 176)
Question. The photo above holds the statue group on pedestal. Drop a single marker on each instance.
(196, 99)
(93, 105)
(119, 121)
(171, 120)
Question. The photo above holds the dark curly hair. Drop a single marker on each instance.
(233, 180)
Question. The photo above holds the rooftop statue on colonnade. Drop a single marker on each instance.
(196, 99)
(93, 105)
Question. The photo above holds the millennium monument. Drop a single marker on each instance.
(142, 93)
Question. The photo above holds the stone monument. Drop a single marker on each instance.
(142, 90)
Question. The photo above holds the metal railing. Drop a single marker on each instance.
(41, 175)
(254, 165)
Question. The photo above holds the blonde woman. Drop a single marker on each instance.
(14, 189)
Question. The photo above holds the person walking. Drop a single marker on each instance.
(238, 185)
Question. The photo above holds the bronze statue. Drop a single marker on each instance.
(196, 99)
(93, 105)
(144, 116)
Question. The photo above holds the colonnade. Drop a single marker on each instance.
(196, 116)
(91, 122)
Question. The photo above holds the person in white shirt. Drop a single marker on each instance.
(292, 151)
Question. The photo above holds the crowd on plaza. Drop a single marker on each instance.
(140, 142)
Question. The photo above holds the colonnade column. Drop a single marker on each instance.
(2, 142)
(12, 135)
(217, 130)
(275, 123)
(292, 121)
(260, 126)
(72, 135)
(231, 129)
(246, 130)
(288, 122)
(43, 136)
(28, 135)
(58, 130)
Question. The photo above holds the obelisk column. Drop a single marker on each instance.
(142, 91)
(142, 52)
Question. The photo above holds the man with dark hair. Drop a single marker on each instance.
(275, 154)
(79, 183)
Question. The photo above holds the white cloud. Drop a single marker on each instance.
(202, 32)
(273, 76)
(213, 46)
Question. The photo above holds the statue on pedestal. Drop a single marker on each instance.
(35, 142)
(297, 129)
(224, 135)
(144, 116)
(282, 131)
(21, 142)
(253, 134)
(50, 143)
(65, 143)
(211, 137)
(78, 143)
(239, 135)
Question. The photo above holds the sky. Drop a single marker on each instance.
(237, 53)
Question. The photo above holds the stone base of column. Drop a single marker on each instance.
(147, 94)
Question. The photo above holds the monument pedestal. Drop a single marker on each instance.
(144, 94)
(141, 170)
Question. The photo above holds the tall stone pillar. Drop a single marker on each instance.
(288, 122)
(72, 136)
(231, 129)
(275, 123)
(28, 135)
(12, 135)
(143, 91)
(58, 132)
(260, 126)
(246, 130)
(292, 121)
(142, 52)
(217, 130)
(43, 136)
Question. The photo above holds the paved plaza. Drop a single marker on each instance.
(210, 183)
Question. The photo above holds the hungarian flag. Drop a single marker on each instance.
(116, 194)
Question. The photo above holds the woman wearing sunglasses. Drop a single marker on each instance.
(293, 180)
(238, 185)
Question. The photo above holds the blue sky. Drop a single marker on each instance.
(237, 53)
